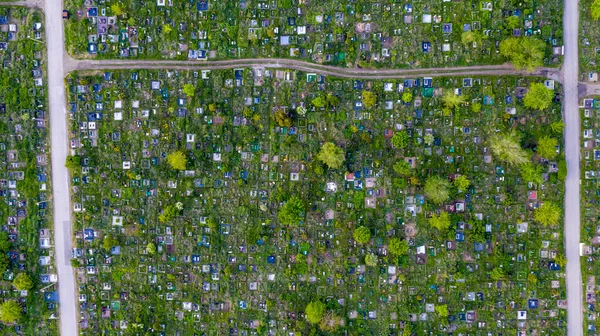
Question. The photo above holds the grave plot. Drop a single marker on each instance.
(28, 295)
(271, 200)
(590, 231)
(345, 33)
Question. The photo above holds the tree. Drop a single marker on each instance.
(470, 37)
(476, 107)
(397, 247)
(189, 90)
(369, 99)
(407, 97)
(428, 139)
(314, 311)
(108, 242)
(451, 100)
(177, 160)
(461, 182)
(400, 139)
(330, 322)
(319, 102)
(116, 9)
(4, 262)
(595, 9)
(557, 127)
(441, 222)
(362, 234)
(151, 248)
(23, 282)
(167, 28)
(497, 274)
(283, 119)
(546, 147)
(538, 97)
(332, 100)
(10, 311)
(512, 22)
(547, 214)
(436, 189)
(524, 53)
(531, 172)
(442, 310)
(506, 147)
(331, 155)
(402, 168)
(73, 162)
(301, 110)
(371, 260)
(168, 214)
(291, 212)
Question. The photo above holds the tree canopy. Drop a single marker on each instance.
(402, 168)
(595, 10)
(371, 260)
(506, 148)
(177, 160)
(538, 97)
(189, 89)
(461, 182)
(546, 147)
(369, 99)
(331, 155)
(531, 173)
(437, 189)
(362, 234)
(441, 221)
(523, 52)
(151, 248)
(397, 247)
(23, 282)
(547, 214)
(10, 311)
(291, 212)
(451, 100)
(314, 311)
(400, 139)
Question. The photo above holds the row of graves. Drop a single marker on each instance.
(590, 154)
(25, 205)
(204, 248)
(344, 32)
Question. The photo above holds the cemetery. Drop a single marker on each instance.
(271, 201)
(346, 33)
(590, 231)
(589, 48)
(28, 281)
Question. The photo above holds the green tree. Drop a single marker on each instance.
(177, 160)
(397, 247)
(167, 28)
(362, 234)
(168, 214)
(23, 282)
(402, 168)
(428, 139)
(506, 148)
(116, 9)
(524, 53)
(461, 182)
(151, 248)
(441, 222)
(371, 260)
(595, 9)
(332, 100)
(531, 172)
(451, 100)
(437, 189)
(283, 119)
(319, 102)
(108, 242)
(407, 97)
(189, 89)
(562, 170)
(442, 310)
(547, 214)
(314, 311)
(497, 274)
(10, 311)
(73, 162)
(400, 139)
(538, 97)
(369, 99)
(471, 36)
(546, 147)
(476, 107)
(512, 22)
(331, 155)
(291, 212)
(557, 126)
